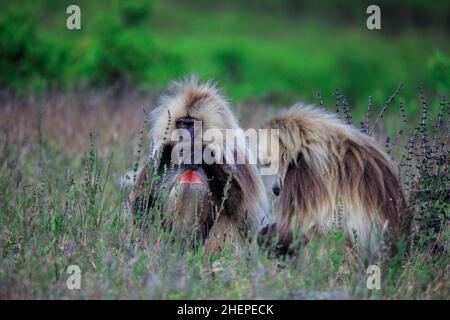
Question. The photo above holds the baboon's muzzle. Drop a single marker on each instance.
(190, 207)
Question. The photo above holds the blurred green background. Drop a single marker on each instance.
(278, 51)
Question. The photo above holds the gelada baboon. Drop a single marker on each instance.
(331, 174)
(212, 201)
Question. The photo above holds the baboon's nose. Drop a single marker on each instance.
(276, 190)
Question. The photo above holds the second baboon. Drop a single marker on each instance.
(332, 175)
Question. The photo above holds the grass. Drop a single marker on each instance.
(63, 154)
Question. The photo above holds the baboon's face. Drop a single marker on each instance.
(266, 158)
(194, 190)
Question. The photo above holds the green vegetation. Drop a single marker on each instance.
(251, 52)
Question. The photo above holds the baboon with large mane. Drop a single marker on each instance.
(329, 173)
(212, 202)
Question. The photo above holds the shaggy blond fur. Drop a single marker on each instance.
(332, 175)
(245, 208)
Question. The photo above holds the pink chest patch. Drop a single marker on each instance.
(191, 177)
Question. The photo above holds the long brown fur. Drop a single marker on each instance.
(334, 175)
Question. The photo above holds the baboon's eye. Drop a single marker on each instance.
(185, 123)
(276, 189)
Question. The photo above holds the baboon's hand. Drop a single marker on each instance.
(269, 239)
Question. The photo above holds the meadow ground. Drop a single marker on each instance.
(62, 156)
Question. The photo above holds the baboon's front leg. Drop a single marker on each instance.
(278, 243)
(223, 235)
(269, 239)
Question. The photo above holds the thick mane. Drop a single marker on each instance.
(328, 167)
(246, 204)
(189, 98)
